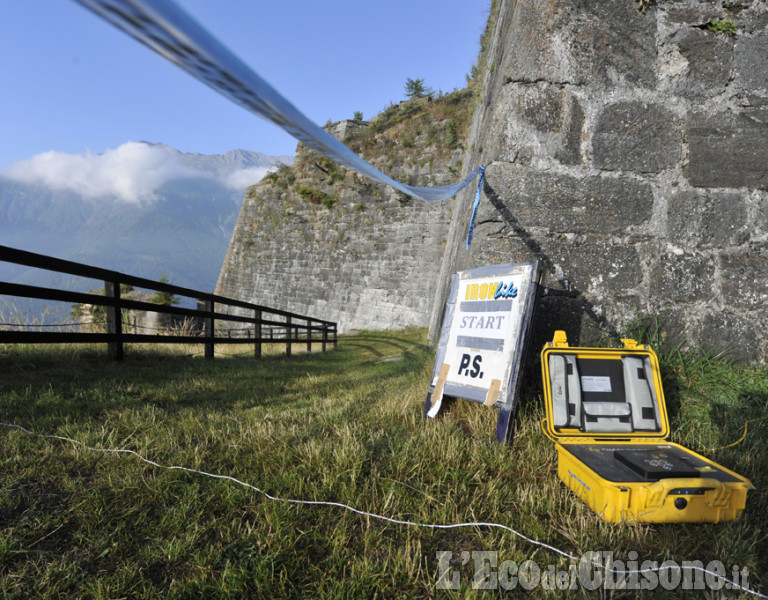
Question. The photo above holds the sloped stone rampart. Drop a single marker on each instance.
(324, 242)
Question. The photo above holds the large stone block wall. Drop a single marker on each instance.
(628, 151)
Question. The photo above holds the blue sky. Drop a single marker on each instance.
(74, 84)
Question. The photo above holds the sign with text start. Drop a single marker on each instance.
(483, 342)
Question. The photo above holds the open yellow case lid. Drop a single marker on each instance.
(594, 394)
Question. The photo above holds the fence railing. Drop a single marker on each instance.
(253, 324)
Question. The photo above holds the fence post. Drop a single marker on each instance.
(208, 329)
(288, 334)
(325, 335)
(309, 335)
(114, 319)
(257, 333)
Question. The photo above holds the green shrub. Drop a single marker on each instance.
(722, 26)
(314, 196)
(330, 167)
(334, 177)
(165, 298)
(453, 135)
(327, 201)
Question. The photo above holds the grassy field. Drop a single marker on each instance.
(344, 427)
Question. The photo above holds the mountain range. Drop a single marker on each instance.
(175, 219)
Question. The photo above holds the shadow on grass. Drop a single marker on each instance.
(51, 388)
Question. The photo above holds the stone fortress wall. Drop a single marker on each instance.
(628, 151)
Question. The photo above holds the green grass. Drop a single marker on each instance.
(343, 426)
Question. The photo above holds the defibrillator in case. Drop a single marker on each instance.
(606, 414)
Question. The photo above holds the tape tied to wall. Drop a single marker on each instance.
(474, 206)
(173, 34)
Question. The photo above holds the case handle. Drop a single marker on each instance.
(715, 492)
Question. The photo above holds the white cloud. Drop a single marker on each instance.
(132, 172)
(239, 180)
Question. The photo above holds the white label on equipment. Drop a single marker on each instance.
(596, 384)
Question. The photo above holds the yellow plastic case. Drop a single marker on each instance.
(606, 414)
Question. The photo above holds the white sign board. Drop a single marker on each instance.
(485, 330)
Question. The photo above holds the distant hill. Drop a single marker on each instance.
(181, 229)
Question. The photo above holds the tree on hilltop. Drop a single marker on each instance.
(415, 88)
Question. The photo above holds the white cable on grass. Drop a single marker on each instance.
(382, 517)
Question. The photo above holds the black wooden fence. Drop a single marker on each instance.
(253, 324)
